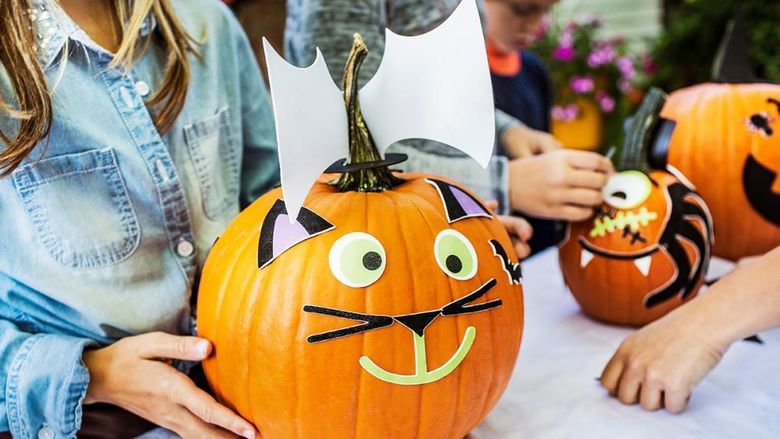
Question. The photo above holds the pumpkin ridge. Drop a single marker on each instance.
(392, 196)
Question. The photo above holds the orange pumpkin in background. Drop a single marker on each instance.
(647, 249)
(392, 306)
(726, 139)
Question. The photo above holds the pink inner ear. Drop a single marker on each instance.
(466, 202)
(287, 235)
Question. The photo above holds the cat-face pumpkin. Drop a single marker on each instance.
(644, 252)
(726, 139)
(376, 314)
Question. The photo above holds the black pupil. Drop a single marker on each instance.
(372, 261)
(454, 264)
(620, 194)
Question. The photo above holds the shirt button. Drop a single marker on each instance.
(46, 433)
(184, 248)
(142, 88)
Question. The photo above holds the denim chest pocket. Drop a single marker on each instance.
(80, 208)
(214, 150)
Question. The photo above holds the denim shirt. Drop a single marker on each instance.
(106, 224)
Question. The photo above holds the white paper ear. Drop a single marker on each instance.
(311, 124)
(435, 86)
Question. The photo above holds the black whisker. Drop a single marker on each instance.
(459, 306)
(370, 322)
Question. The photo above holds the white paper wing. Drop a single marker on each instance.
(435, 86)
(311, 124)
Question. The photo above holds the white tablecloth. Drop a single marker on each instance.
(554, 392)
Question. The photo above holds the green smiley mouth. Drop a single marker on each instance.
(422, 375)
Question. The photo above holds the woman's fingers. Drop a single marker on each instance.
(184, 392)
(187, 425)
(159, 345)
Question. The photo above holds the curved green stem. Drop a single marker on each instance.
(361, 145)
(639, 136)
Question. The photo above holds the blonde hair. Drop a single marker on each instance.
(31, 107)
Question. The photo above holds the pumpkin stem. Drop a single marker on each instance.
(361, 145)
(640, 134)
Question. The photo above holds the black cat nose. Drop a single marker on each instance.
(418, 322)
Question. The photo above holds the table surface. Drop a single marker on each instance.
(554, 392)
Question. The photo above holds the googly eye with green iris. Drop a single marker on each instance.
(627, 189)
(455, 255)
(357, 259)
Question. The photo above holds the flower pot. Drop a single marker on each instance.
(585, 132)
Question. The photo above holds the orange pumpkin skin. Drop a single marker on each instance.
(602, 270)
(712, 144)
(264, 368)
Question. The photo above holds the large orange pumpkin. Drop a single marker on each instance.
(726, 139)
(646, 250)
(391, 308)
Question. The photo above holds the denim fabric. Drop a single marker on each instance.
(107, 223)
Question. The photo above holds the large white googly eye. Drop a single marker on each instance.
(627, 189)
(455, 255)
(357, 259)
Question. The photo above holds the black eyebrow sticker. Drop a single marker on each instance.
(513, 271)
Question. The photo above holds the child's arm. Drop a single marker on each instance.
(669, 357)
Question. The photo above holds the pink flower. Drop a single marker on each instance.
(605, 101)
(648, 65)
(603, 54)
(566, 38)
(626, 67)
(566, 113)
(624, 85)
(565, 54)
(581, 84)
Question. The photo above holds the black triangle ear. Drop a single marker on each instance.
(458, 204)
(732, 62)
(278, 234)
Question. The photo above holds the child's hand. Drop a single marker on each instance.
(561, 184)
(133, 374)
(520, 231)
(521, 141)
(659, 365)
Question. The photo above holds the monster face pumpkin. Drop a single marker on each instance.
(725, 137)
(643, 253)
(387, 305)
(646, 249)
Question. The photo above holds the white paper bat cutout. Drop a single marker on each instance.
(434, 86)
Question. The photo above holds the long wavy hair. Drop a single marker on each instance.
(31, 105)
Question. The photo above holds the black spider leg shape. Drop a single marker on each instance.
(460, 306)
(370, 322)
(703, 245)
(680, 284)
(514, 271)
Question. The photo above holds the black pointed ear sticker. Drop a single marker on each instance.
(278, 234)
(458, 203)
(513, 271)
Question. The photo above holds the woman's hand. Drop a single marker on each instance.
(521, 141)
(519, 230)
(659, 365)
(133, 374)
(561, 184)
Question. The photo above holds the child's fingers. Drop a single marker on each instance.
(491, 205)
(589, 161)
(573, 213)
(630, 385)
(522, 249)
(588, 179)
(584, 197)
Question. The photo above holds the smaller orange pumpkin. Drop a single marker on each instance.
(646, 250)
